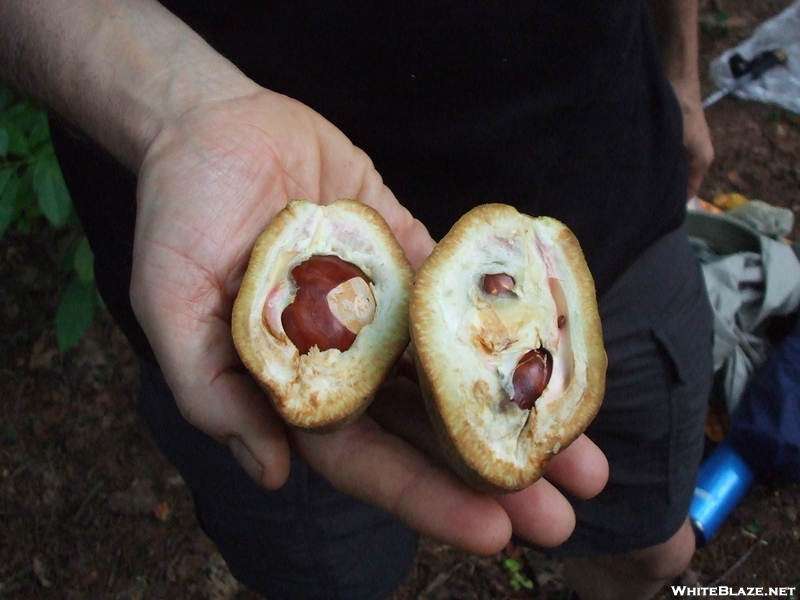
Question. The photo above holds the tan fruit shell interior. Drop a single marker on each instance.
(467, 344)
(322, 390)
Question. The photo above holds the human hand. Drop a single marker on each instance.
(209, 184)
(539, 514)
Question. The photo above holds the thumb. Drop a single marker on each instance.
(215, 393)
(233, 410)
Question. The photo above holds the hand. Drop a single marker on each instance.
(539, 514)
(208, 185)
(696, 136)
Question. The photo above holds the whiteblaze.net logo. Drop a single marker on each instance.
(725, 591)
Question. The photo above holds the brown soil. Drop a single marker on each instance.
(90, 509)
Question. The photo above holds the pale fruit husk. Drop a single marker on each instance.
(466, 346)
(322, 391)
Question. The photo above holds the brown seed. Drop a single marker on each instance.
(531, 376)
(497, 284)
(325, 283)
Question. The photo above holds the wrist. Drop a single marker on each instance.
(687, 89)
(162, 70)
(118, 71)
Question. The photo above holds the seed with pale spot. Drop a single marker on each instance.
(353, 304)
(498, 284)
(309, 320)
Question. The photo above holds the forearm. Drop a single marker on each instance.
(676, 25)
(118, 70)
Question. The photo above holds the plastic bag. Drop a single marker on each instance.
(780, 85)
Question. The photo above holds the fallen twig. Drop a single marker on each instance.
(738, 563)
(440, 579)
(86, 501)
(113, 574)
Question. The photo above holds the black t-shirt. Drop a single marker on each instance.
(558, 108)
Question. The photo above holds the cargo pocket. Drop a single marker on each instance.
(685, 339)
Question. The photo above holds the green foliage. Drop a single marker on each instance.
(773, 114)
(32, 187)
(753, 528)
(516, 578)
(75, 313)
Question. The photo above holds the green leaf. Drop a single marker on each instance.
(519, 581)
(25, 127)
(20, 188)
(6, 215)
(84, 261)
(40, 132)
(4, 139)
(54, 199)
(753, 527)
(775, 115)
(5, 176)
(512, 565)
(99, 299)
(17, 141)
(30, 211)
(24, 226)
(24, 116)
(75, 313)
(8, 195)
(6, 98)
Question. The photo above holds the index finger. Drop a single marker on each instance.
(410, 232)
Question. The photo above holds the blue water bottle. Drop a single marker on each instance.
(722, 481)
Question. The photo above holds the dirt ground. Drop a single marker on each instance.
(90, 509)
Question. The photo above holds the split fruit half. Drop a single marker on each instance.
(508, 344)
(322, 313)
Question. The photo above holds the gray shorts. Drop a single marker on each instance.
(658, 332)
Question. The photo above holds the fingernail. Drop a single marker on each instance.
(248, 462)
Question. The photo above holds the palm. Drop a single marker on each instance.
(207, 188)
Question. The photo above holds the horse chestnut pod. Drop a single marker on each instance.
(322, 313)
(508, 344)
